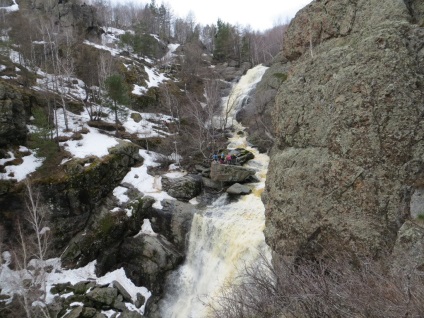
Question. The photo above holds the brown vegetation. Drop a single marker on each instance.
(334, 288)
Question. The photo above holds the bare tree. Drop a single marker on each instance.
(65, 70)
(33, 241)
(2, 237)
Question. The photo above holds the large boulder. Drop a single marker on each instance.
(230, 173)
(183, 188)
(147, 259)
(349, 129)
(174, 222)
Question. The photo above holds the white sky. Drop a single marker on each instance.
(260, 15)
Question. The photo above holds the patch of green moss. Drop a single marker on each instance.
(75, 107)
(106, 224)
(281, 76)
(141, 103)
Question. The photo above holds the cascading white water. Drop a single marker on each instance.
(224, 237)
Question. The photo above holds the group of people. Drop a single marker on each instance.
(229, 159)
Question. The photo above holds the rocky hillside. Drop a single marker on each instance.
(346, 170)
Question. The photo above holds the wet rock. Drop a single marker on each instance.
(242, 155)
(239, 189)
(229, 173)
(209, 183)
(174, 222)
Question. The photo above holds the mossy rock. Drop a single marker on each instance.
(104, 125)
(136, 117)
(149, 143)
(75, 107)
(81, 288)
(282, 77)
(84, 186)
(60, 288)
(14, 162)
(149, 99)
(6, 186)
(76, 136)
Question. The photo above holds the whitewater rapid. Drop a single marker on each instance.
(225, 236)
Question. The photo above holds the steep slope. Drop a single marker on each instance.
(349, 123)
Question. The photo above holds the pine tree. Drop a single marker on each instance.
(117, 91)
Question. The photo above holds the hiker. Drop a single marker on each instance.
(233, 159)
(228, 159)
(215, 157)
(222, 158)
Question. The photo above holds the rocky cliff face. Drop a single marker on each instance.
(12, 116)
(349, 121)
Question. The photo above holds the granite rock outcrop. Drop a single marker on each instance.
(348, 122)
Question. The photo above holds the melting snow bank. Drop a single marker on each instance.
(20, 171)
(12, 282)
(142, 181)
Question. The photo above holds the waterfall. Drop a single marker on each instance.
(225, 236)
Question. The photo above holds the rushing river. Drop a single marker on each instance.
(225, 236)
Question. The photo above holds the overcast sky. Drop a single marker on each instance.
(260, 15)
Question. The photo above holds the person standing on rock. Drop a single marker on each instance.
(228, 159)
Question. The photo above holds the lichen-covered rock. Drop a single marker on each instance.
(183, 188)
(349, 129)
(105, 296)
(408, 252)
(230, 173)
